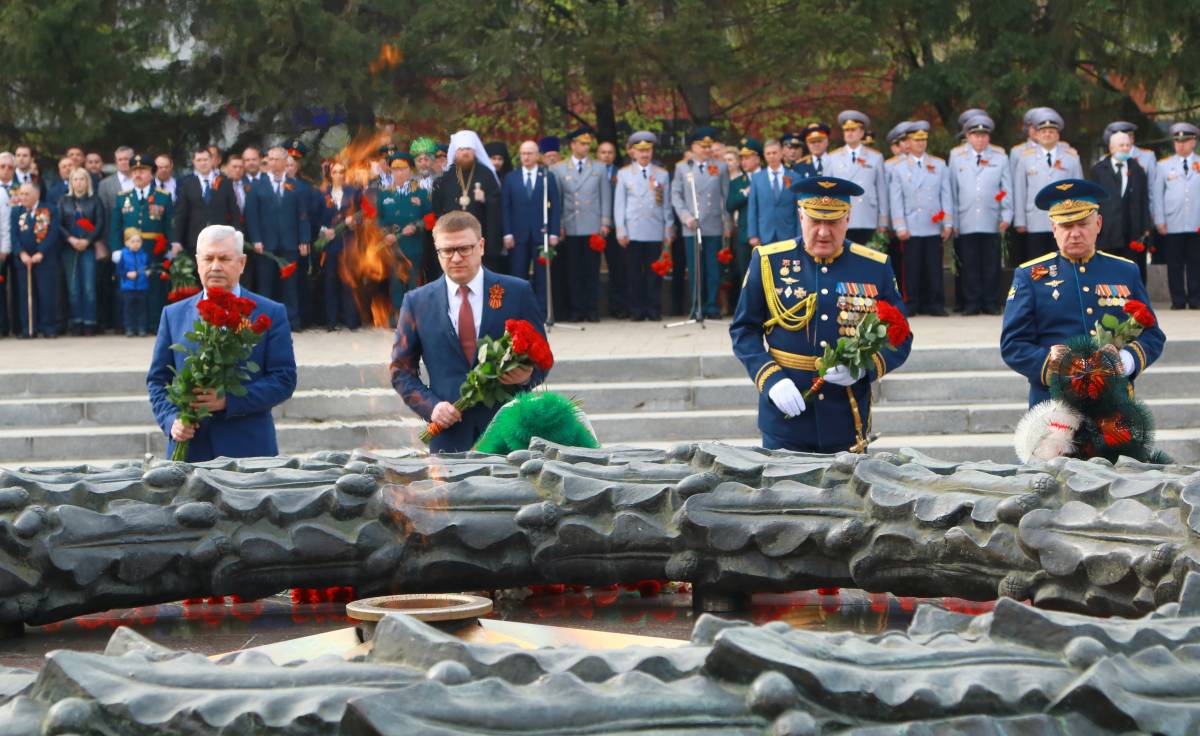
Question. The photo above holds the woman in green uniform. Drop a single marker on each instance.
(402, 210)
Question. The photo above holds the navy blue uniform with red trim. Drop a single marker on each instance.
(1055, 298)
(822, 299)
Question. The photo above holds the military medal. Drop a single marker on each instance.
(1037, 273)
(495, 296)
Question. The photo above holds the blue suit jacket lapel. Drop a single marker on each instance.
(487, 321)
(441, 304)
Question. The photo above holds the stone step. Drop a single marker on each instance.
(968, 357)
(899, 410)
(955, 426)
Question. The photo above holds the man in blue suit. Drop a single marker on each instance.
(442, 323)
(771, 214)
(240, 426)
(277, 221)
(523, 220)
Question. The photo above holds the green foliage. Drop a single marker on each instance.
(542, 414)
(174, 73)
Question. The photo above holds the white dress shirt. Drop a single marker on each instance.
(475, 295)
(578, 163)
(5, 218)
(1122, 172)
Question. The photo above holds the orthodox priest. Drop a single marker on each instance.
(470, 184)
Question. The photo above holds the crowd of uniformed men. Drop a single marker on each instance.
(87, 253)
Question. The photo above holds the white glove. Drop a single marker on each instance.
(1127, 363)
(116, 256)
(786, 397)
(840, 375)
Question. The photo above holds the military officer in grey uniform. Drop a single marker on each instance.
(1049, 161)
(864, 166)
(643, 219)
(586, 211)
(702, 181)
(1175, 207)
(1030, 142)
(1144, 156)
(980, 188)
(922, 214)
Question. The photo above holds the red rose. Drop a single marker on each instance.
(261, 325)
(1001, 195)
(941, 215)
(287, 271)
(724, 256)
(167, 265)
(597, 243)
(430, 220)
(1137, 246)
(368, 209)
(85, 225)
(1140, 313)
(245, 306)
(541, 260)
(160, 244)
(897, 326)
(163, 276)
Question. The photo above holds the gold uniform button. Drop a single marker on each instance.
(824, 343)
(824, 269)
(821, 397)
(824, 291)
(1086, 288)
(1089, 310)
(1083, 269)
(824, 317)
(1093, 332)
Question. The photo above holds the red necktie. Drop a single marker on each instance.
(466, 325)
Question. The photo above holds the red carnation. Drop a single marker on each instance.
(713, 170)
(430, 220)
(164, 276)
(941, 215)
(1137, 246)
(1140, 313)
(897, 326)
(167, 265)
(261, 325)
(287, 271)
(160, 244)
(725, 256)
(541, 260)
(1001, 195)
(85, 225)
(596, 242)
(368, 208)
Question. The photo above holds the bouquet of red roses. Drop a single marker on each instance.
(223, 338)
(886, 327)
(520, 346)
(1116, 332)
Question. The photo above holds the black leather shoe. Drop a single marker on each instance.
(939, 313)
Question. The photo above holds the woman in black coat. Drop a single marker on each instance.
(82, 222)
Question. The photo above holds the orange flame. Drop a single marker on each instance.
(368, 260)
(389, 57)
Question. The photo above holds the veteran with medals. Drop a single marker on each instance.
(799, 297)
(1061, 295)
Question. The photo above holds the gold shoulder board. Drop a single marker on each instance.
(782, 246)
(865, 252)
(1039, 259)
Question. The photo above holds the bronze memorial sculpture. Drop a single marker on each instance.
(1078, 537)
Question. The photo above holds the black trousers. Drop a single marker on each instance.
(583, 279)
(980, 270)
(860, 235)
(133, 312)
(645, 286)
(1183, 268)
(1038, 244)
(615, 258)
(923, 291)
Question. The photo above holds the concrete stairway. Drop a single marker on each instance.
(957, 403)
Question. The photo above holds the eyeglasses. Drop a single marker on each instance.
(461, 251)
